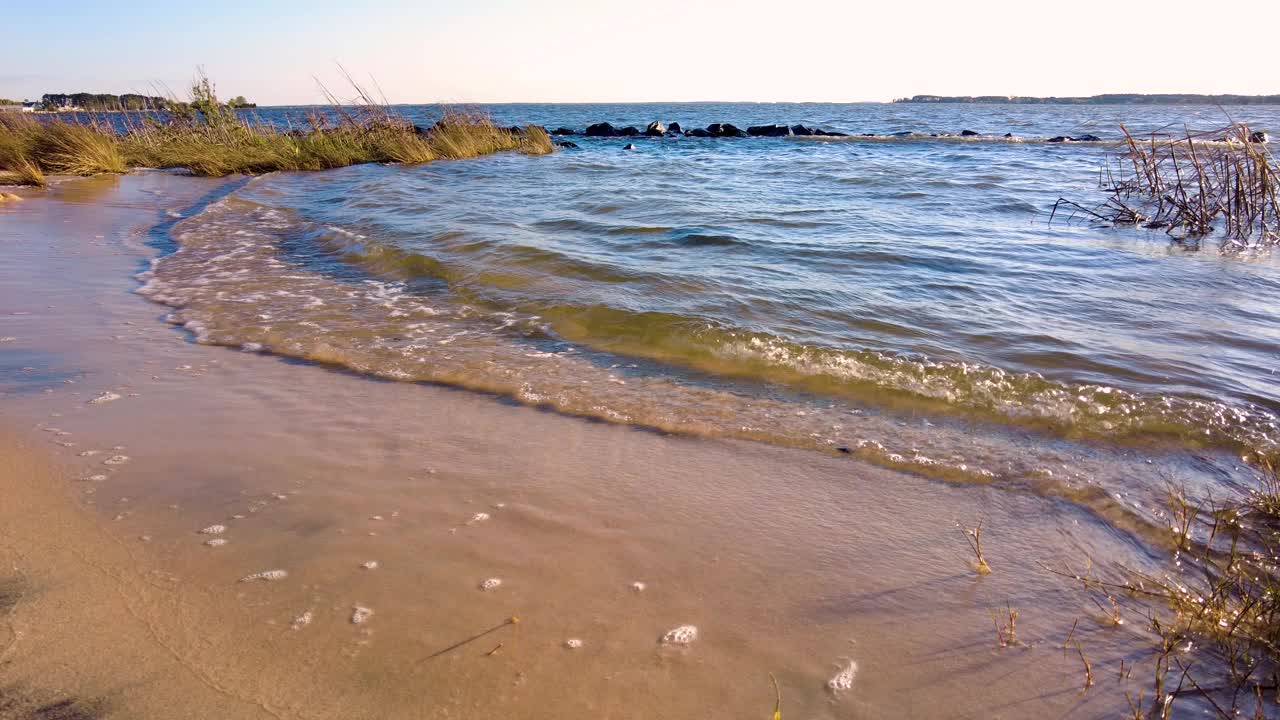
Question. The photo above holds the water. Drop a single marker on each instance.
(903, 301)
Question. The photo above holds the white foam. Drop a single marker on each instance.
(301, 621)
(116, 460)
(491, 584)
(216, 542)
(573, 643)
(267, 575)
(478, 517)
(638, 586)
(371, 565)
(105, 397)
(214, 530)
(359, 614)
(683, 635)
(843, 680)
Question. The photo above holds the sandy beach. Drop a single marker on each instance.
(123, 440)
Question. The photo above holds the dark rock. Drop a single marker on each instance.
(655, 129)
(674, 128)
(563, 131)
(628, 131)
(1008, 135)
(698, 132)
(1087, 138)
(1259, 136)
(602, 130)
(830, 133)
(417, 130)
(844, 450)
(903, 134)
(802, 130)
(967, 133)
(769, 131)
(725, 130)
(868, 134)
(630, 146)
(566, 144)
(1059, 139)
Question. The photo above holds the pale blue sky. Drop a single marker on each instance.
(581, 51)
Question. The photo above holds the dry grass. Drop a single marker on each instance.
(973, 536)
(1209, 184)
(216, 141)
(1215, 615)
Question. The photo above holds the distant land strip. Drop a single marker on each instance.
(1110, 99)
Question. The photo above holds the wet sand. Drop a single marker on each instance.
(787, 561)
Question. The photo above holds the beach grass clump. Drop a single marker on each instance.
(18, 137)
(1215, 615)
(75, 149)
(208, 138)
(1223, 184)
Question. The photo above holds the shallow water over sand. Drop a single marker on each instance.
(786, 561)
(905, 302)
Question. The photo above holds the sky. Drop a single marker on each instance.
(483, 51)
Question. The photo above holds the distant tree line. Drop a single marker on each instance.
(98, 102)
(1109, 99)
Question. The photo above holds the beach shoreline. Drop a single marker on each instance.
(784, 559)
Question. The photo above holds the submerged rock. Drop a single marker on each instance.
(602, 130)
(698, 132)
(725, 130)
(563, 131)
(1087, 138)
(968, 133)
(674, 128)
(566, 144)
(1259, 136)
(801, 130)
(630, 146)
(628, 131)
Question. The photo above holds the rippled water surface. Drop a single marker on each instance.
(905, 301)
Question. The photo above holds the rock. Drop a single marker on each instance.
(655, 129)
(563, 131)
(566, 144)
(630, 146)
(903, 134)
(769, 131)
(674, 128)
(1008, 135)
(1059, 139)
(1087, 138)
(967, 133)
(628, 131)
(801, 130)
(1259, 136)
(830, 133)
(725, 130)
(602, 130)
(698, 132)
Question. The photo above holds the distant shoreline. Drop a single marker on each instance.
(1110, 99)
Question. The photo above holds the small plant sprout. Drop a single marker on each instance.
(1006, 624)
(973, 536)
(1088, 667)
(1110, 615)
(777, 694)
